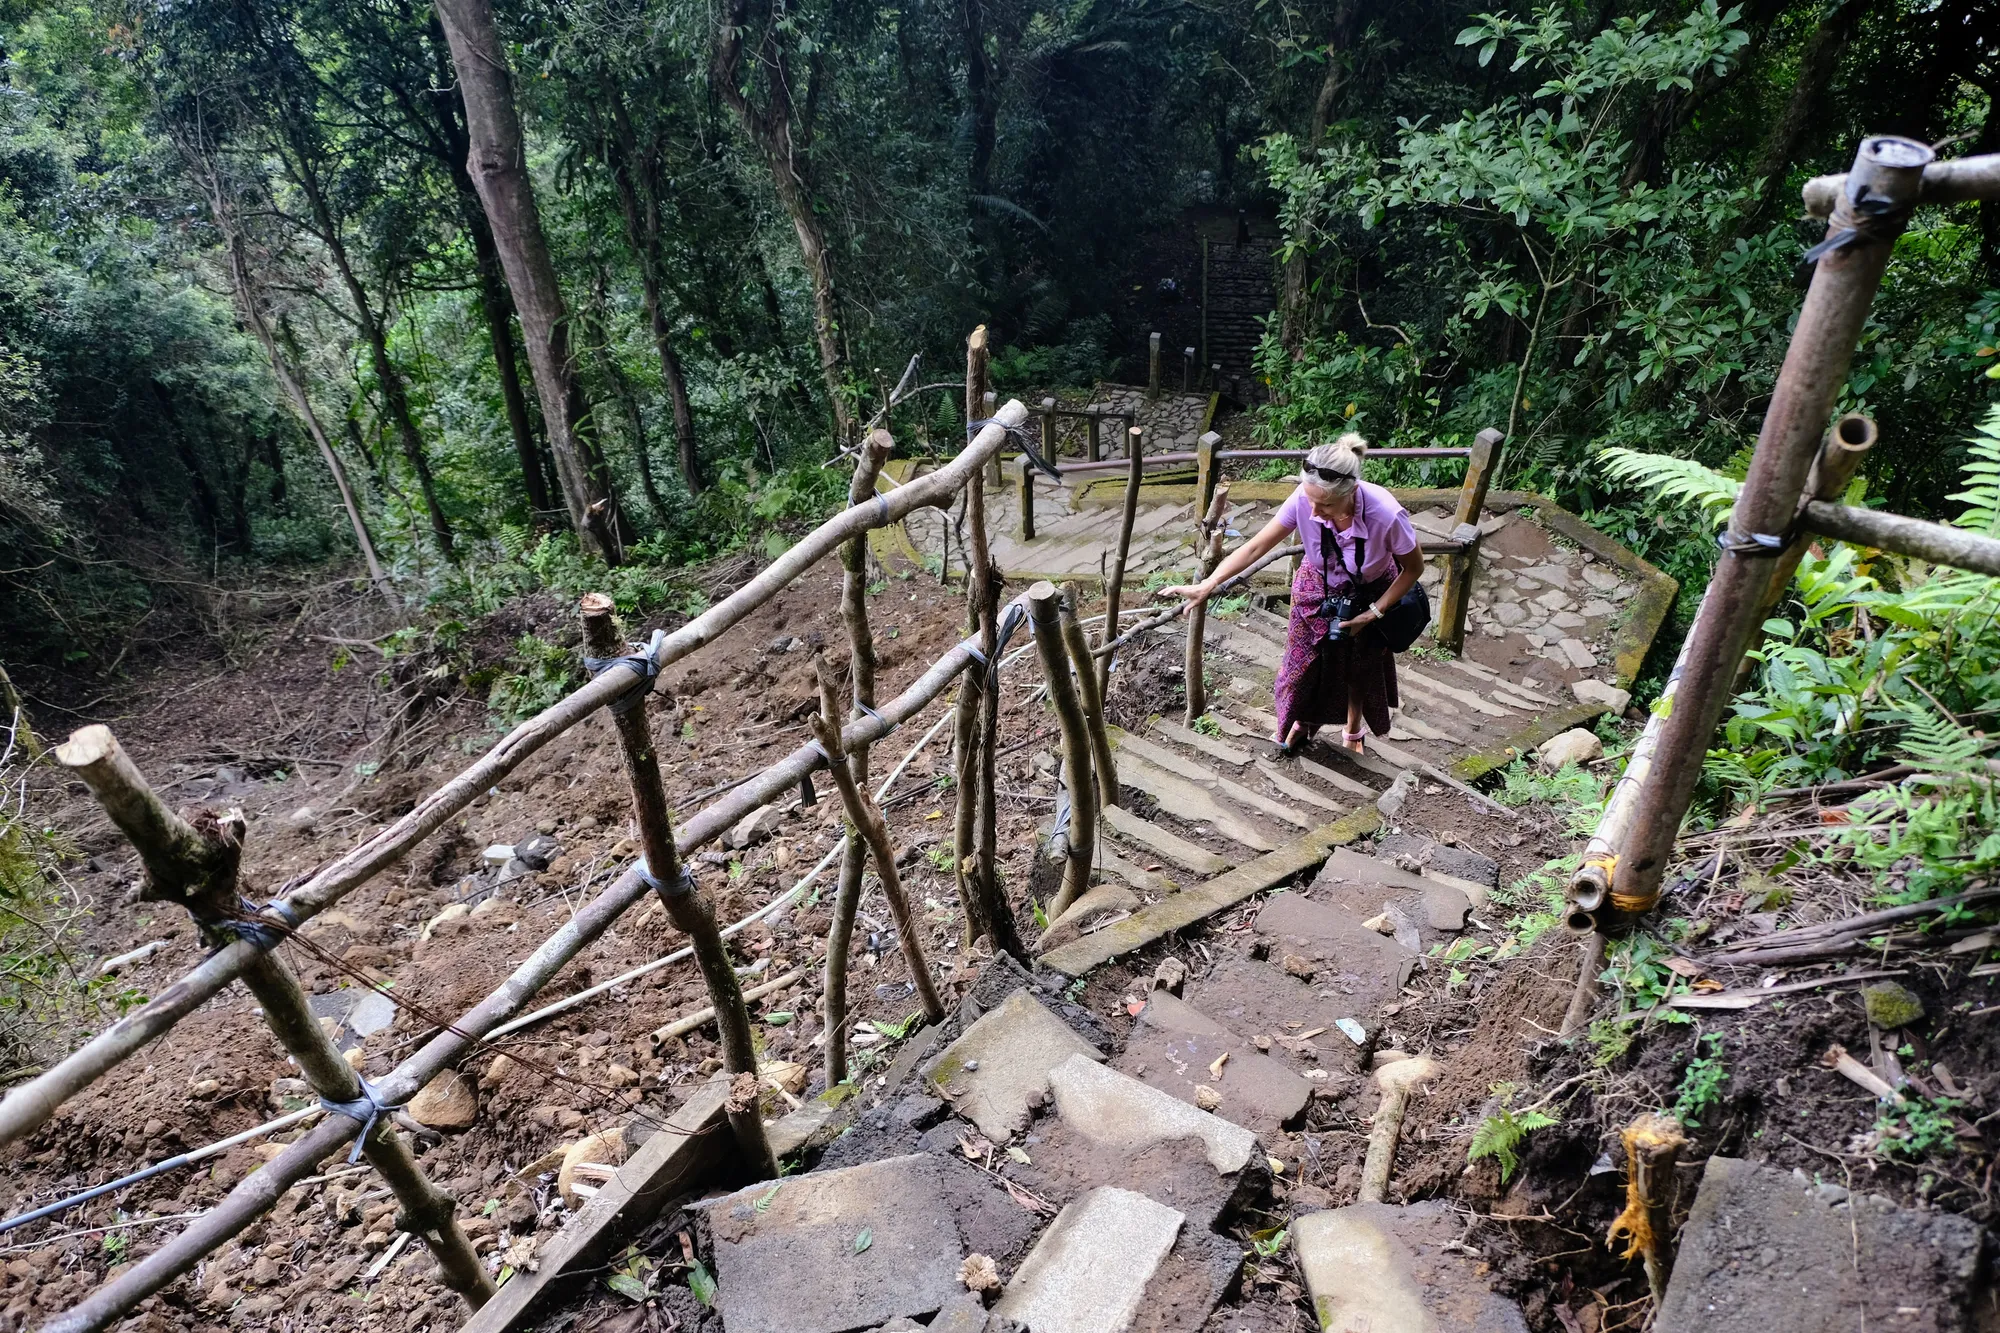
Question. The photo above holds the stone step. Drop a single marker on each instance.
(1254, 999)
(1088, 1272)
(1419, 729)
(1258, 623)
(789, 1257)
(1298, 791)
(1246, 644)
(1454, 864)
(1234, 755)
(1114, 1108)
(1178, 1049)
(1169, 762)
(1330, 947)
(1191, 801)
(998, 1069)
(1387, 1269)
(1478, 702)
(1765, 1250)
(1180, 910)
(1170, 846)
(1143, 880)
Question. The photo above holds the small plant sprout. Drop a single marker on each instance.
(1502, 1133)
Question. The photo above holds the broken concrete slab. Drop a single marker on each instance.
(1179, 1049)
(1435, 858)
(1384, 1269)
(1766, 1249)
(963, 1313)
(996, 1071)
(1110, 1107)
(1141, 879)
(1256, 999)
(1597, 692)
(831, 1251)
(1446, 908)
(1365, 969)
(1088, 1272)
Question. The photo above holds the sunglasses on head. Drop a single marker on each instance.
(1331, 477)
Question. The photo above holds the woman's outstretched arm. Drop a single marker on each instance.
(1232, 564)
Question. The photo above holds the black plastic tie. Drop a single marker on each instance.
(644, 664)
(367, 1108)
(682, 885)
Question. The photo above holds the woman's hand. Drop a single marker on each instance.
(1194, 594)
(1368, 616)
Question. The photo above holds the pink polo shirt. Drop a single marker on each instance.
(1383, 521)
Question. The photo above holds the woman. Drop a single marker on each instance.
(1359, 545)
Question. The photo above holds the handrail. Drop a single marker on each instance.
(1225, 455)
(29, 1105)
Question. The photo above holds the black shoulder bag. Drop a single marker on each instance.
(1402, 622)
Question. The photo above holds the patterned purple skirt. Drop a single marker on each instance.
(1315, 684)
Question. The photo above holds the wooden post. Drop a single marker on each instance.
(196, 864)
(1887, 175)
(1093, 440)
(869, 826)
(1049, 429)
(1152, 365)
(1114, 582)
(861, 672)
(1205, 471)
(1024, 495)
(976, 405)
(1653, 1145)
(685, 905)
(1456, 592)
(1081, 784)
(1187, 369)
(1194, 667)
(1093, 703)
(1204, 300)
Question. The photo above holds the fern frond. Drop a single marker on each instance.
(1681, 480)
(1940, 745)
(1982, 478)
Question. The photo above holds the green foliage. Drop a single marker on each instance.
(541, 674)
(1702, 1082)
(702, 1284)
(1207, 725)
(1918, 1127)
(1501, 1134)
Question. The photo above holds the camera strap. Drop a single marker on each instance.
(1352, 575)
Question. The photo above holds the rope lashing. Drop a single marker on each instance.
(367, 1108)
(1733, 542)
(644, 664)
(251, 927)
(1020, 437)
(1862, 217)
(682, 886)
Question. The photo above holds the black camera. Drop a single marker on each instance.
(1338, 609)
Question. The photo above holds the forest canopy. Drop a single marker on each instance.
(282, 285)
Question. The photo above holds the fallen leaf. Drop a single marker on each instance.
(864, 1240)
(1686, 967)
(1019, 1156)
(631, 1288)
(1027, 1200)
(1215, 1065)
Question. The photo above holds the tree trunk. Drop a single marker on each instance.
(499, 311)
(596, 332)
(1292, 297)
(394, 394)
(642, 233)
(207, 511)
(1817, 65)
(770, 128)
(498, 165)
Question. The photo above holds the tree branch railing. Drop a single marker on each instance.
(32, 1103)
(196, 864)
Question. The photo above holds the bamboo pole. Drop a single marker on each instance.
(32, 1103)
(1455, 593)
(196, 865)
(1939, 543)
(1881, 189)
(861, 676)
(976, 406)
(870, 827)
(1043, 612)
(1114, 583)
(1078, 648)
(686, 907)
(1961, 181)
(1194, 667)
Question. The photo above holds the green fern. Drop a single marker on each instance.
(1677, 479)
(1982, 478)
(1940, 745)
(1501, 1134)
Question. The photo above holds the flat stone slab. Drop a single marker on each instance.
(1111, 1107)
(1766, 1249)
(1375, 1268)
(1163, 843)
(1002, 1063)
(1365, 969)
(1252, 998)
(1176, 1047)
(1088, 1272)
(832, 1251)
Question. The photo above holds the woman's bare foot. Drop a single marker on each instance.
(1355, 741)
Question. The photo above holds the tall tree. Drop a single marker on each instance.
(767, 118)
(498, 163)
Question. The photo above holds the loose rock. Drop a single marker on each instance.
(1575, 746)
